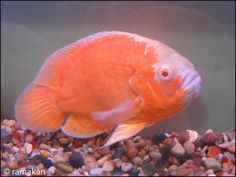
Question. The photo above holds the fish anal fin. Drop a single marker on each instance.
(81, 127)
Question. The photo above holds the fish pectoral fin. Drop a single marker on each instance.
(121, 113)
(125, 130)
(81, 127)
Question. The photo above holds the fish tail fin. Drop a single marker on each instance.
(36, 109)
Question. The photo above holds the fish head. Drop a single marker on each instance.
(174, 82)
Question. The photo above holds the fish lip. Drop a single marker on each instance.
(192, 85)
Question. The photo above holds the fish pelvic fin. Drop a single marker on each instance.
(125, 130)
(36, 109)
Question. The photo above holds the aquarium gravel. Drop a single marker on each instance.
(185, 153)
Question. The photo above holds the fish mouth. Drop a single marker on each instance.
(192, 85)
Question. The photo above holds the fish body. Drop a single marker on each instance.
(109, 80)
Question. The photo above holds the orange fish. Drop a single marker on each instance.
(108, 81)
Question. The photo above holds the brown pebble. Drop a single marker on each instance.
(173, 160)
(29, 138)
(141, 143)
(172, 168)
(146, 158)
(40, 166)
(58, 158)
(155, 156)
(13, 165)
(44, 146)
(102, 160)
(136, 139)
(10, 123)
(105, 173)
(183, 136)
(108, 166)
(89, 159)
(15, 141)
(104, 151)
(129, 144)
(124, 158)
(231, 147)
(142, 153)
(92, 165)
(45, 153)
(97, 155)
(183, 171)
(132, 152)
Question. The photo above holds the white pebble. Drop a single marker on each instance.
(126, 166)
(90, 150)
(96, 171)
(60, 150)
(28, 148)
(15, 149)
(193, 135)
(52, 169)
(86, 173)
(167, 135)
(35, 153)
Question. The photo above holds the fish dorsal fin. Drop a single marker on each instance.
(56, 67)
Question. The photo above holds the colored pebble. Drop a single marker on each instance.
(47, 162)
(212, 163)
(119, 152)
(185, 154)
(76, 159)
(213, 151)
(134, 172)
(213, 138)
(5, 136)
(64, 167)
(159, 138)
(148, 169)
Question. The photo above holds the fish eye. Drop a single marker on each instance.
(166, 74)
